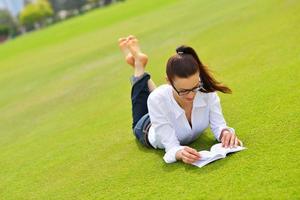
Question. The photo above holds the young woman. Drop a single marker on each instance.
(173, 115)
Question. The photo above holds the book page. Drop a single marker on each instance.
(216, 152)
(202, 162)
(205, 155)
(217, 148)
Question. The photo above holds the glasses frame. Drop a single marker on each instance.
(187, 91)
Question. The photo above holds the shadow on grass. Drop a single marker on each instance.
(203, 142)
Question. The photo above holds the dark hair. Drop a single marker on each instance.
(186, 63)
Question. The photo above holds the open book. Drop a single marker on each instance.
(216, 152)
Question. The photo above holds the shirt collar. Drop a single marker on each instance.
(199, 100)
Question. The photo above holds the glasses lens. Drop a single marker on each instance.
(186, 92)
(196, 89)
(182, 93)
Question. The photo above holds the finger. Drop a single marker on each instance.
(236, 142)
(232, 140)
(227, 140)
(187, 160)
(241, 143)
(189, 155)
(192, 151)
(223, 141)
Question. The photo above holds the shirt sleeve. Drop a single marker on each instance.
(164, 130)
(216, 119)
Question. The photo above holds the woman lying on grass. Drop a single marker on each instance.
(173, 115)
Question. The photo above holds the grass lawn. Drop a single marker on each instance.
(65, 109)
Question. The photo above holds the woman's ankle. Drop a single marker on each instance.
(134, 78)
(139, 71)
(138, 75)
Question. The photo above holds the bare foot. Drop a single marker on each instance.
(123, 44)
(135, 51)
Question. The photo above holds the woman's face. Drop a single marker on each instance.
(182, 85)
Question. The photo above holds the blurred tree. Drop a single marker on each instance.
(34, 14)
(70, 4)
(7, 23)
(67, 4)
(106, 2)
(78, 5)
(56, 5)
(4, 30)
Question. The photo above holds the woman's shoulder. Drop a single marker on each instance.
(210, 97)
(209, 94)
(161, 93)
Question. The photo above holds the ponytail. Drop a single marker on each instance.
(186, 63)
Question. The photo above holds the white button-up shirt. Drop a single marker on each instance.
(170, 129)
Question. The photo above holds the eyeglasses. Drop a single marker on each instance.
(187, 91)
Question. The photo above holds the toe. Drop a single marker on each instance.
(130, 37)
(122, 39)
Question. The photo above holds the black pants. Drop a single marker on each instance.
(141, 120)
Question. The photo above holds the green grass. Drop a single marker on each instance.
(65, 112)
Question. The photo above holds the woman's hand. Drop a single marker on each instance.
(229, 139)
(188, 155)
